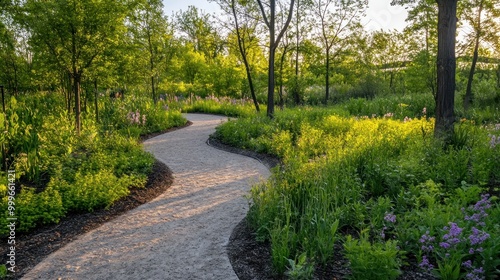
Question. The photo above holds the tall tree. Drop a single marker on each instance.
(446, 66)
(244, 25)
(482, 16)
(200, 31)
(337, 20)
(300, 31)
(152, 35)
(269, 17)
(75, 34)
(422, 23)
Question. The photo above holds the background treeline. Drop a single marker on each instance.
(324, 55)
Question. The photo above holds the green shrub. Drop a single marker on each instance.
(372, 261)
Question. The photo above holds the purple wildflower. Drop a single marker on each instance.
(425, 264)
(476, 274)
(425, 240)
(444, 245)
(452, 237)
(478, 211)
(467, 264)
(390, 218)
(478, 236)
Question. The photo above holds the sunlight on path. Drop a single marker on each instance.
(183, 233)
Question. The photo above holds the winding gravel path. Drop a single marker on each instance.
(183, 233)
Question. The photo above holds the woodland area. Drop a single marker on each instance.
(389, 140)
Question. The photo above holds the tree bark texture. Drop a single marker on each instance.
(446, 67)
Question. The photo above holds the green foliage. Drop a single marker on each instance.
(300, 269)
(59, 171)
(3, 271)
(353, 173)
(372, 261)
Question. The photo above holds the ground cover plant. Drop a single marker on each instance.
(384, 188)
(59, 171)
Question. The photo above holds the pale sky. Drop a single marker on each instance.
(380, 13)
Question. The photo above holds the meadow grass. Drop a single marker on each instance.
(384, 177)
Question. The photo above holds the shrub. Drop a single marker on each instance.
(372, 261)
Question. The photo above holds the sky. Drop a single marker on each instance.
(380, 13)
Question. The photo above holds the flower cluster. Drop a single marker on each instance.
(391, 218)
(135, 118)
(475, 273)
(451, 238)
(425, 264)
(456, 240)
(477, 212)
(427, 241)
(495, 140)
(406, 119)
(388, 115)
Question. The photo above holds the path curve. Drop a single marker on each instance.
(183, 233)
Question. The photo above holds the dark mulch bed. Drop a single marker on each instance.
(33, 247)
(251, 260)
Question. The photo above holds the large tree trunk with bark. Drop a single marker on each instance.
(446, 67)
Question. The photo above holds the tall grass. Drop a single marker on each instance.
(345, 174)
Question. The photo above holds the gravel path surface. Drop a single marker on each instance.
(183, 233)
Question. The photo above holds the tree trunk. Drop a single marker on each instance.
(244, 57)
(296, 94)
(96, 104)
(153, 88)
(327, 76)
(69, 89)
(273, 44)
(498, 76)
(446, 67)
(270, 83)
(282, 61)
(391, 82)
(469, 97)
(152, 66)
(76, 91)
(272, 51)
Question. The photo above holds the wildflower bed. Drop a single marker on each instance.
(381, 192)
